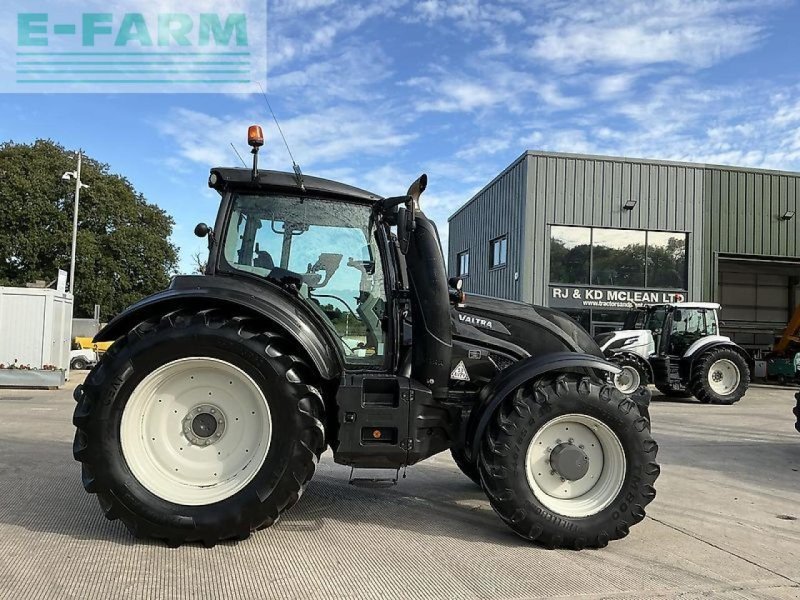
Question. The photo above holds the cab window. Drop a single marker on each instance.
(328, 249)
(688, 326)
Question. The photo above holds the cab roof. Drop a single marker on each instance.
(708, 305)
(223, 178)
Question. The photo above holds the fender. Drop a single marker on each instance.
(697, 349)
(267, 301)
(707, 342)
(497, 390)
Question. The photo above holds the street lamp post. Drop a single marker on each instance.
(78, 185)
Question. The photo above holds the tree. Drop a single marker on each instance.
(124, 252)
(199, 263)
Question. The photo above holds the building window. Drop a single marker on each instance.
(666, 260)
(570, 254)
(463, 263)
(618, 258)
(497, 252)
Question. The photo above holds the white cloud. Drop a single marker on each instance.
(456, 94)
(620, 32)
(492, 84)
(469, 14)
(486, 146)
(293, 37)
(353, 74)
(317, 139)
(551, 93)
(743, 125)
(611, 86)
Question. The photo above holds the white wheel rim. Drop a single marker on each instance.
(723, 377)
(627, 380)
(159, 439)
(603, 480)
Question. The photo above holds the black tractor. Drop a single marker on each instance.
(325, 319)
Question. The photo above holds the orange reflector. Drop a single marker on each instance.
(255, 137)
(376, 434)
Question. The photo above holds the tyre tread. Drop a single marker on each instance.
(495, 468)
(303, 457)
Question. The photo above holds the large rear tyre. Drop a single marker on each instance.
(569, 463)
(796, 411)
(467, 467)
(720, 376)
(198, 427)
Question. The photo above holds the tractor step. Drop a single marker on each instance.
(375, 480)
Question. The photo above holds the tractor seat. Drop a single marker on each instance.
(264, 260)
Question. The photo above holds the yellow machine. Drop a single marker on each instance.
(85, 343)
(790, 334)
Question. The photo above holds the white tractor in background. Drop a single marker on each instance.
(678, 348)
(81, 359)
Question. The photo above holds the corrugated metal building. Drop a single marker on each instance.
(588, 234)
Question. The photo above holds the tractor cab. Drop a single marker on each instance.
(674, 327)
(325, 249)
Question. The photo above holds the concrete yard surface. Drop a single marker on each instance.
(724, 524)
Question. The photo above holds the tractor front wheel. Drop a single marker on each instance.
(198, 427)
(467, 467)
(569, 463)
(634, 373)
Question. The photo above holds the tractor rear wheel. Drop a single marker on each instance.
(569, 463)
(198, 427)
(720, 376)
(468, 467)
(634, 373)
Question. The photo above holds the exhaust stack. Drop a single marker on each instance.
(430, 304)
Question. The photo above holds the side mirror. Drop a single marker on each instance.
(405, 225)
(201, 230)
(457, 295)
(677, 316)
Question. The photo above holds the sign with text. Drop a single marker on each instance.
(119, 46)
(588, 297)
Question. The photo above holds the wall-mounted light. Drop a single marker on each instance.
(787, 216)
(630, 204)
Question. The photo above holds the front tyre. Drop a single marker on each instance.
(569, 463)
(720, 376)
(198, 427)
(633, 374)
(466, 466)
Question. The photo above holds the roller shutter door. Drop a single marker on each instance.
(756, 298)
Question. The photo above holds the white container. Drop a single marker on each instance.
(35, 327)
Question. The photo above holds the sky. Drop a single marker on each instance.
(375, 93)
